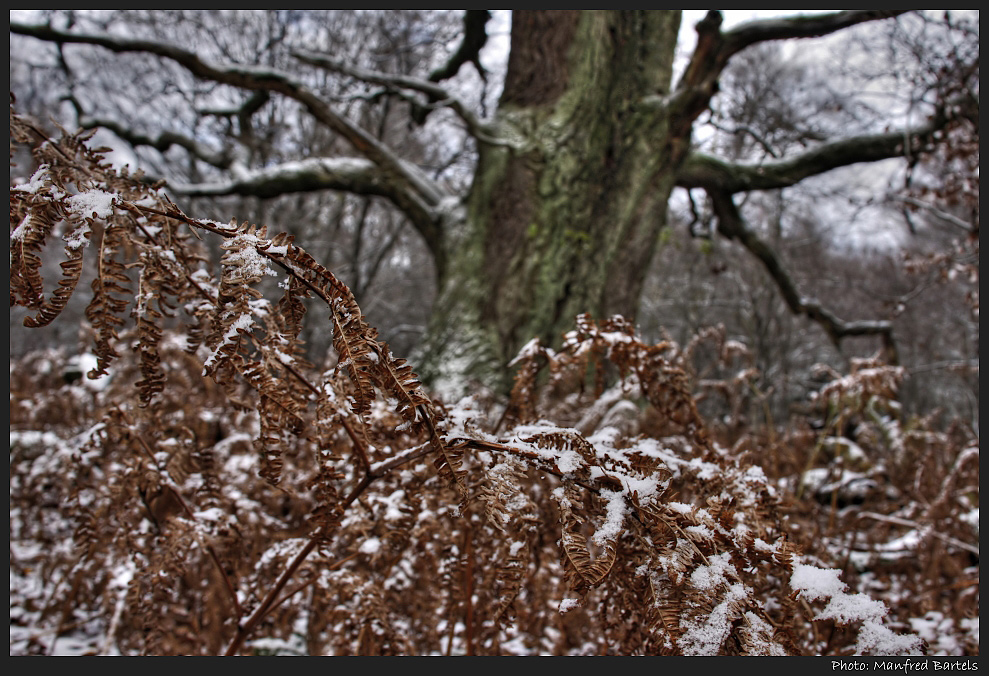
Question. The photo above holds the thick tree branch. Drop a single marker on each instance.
(704, 171)
(348, 174)
(732, 225)
(811, 26)
(475, 37)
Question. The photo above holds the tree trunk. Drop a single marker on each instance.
(565, 219)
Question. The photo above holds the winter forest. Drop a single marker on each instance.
(494, 333)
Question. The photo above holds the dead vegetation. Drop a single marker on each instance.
(202, 489)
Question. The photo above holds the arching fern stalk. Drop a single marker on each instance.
(662, 551)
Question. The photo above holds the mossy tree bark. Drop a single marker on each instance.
(564, 217)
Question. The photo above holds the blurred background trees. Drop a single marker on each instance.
(895, 241)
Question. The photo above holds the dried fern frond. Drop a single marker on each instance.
(582, 572)
(105, 310)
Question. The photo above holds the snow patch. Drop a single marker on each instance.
(92, 203)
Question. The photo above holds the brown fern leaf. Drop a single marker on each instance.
(211, 489)
(57, 192)
(328, 509)
(156, 285)
(104, 309)
(678, 560)
(501, 493)
(509, 510)
(201, 309)
(510, 576)
(153, 377)
(279, 374)
(71, 271)
(258, 374)
(786, 554)
(351, 342)
(280, 413)
(449, 463)
(269, 444)
(522, 401)
(758, 637)
(394, 376)
(353, 339)
(32, 218)
(666, 610)
(291, 310)
(710, 622)
(581, 572)
(317, 277)
(667, 388)
(179, 258)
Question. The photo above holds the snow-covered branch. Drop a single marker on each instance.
(700, 170)
(809, 26)
(348, 174)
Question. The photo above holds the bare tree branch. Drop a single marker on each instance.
(437, 95)
(244, 112)
(942, 215)
(421, 199)
(715, 48)
(752, 133)
(733, 226)
(811, 26)
(349, 174)
(225, 159)
(253, 104)
(705, 171)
